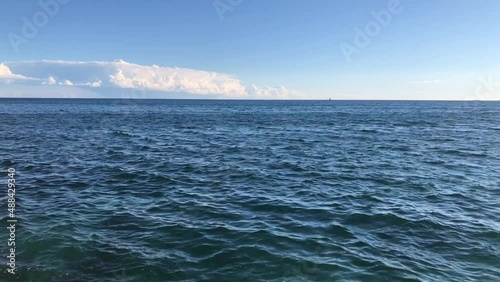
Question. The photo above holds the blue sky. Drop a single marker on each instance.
(255, 49)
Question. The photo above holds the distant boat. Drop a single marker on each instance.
(329, 99)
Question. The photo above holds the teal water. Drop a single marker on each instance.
(180, 190)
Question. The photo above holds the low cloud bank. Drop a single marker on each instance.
(123, 75)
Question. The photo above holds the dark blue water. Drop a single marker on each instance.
(149, 190)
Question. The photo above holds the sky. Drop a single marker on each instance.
(251, 49)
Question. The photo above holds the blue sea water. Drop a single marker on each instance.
(197, 190)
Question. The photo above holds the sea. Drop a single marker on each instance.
(221, 190)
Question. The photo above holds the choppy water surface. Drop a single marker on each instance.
(253, 191)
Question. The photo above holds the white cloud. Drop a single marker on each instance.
(120, 74)
(50, 81)
(94, 84)
(175, 79)
(278, 92)
(7, 74)
(67, 83)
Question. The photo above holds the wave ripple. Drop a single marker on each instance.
(254, 191)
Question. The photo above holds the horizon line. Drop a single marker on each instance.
(275, 100)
